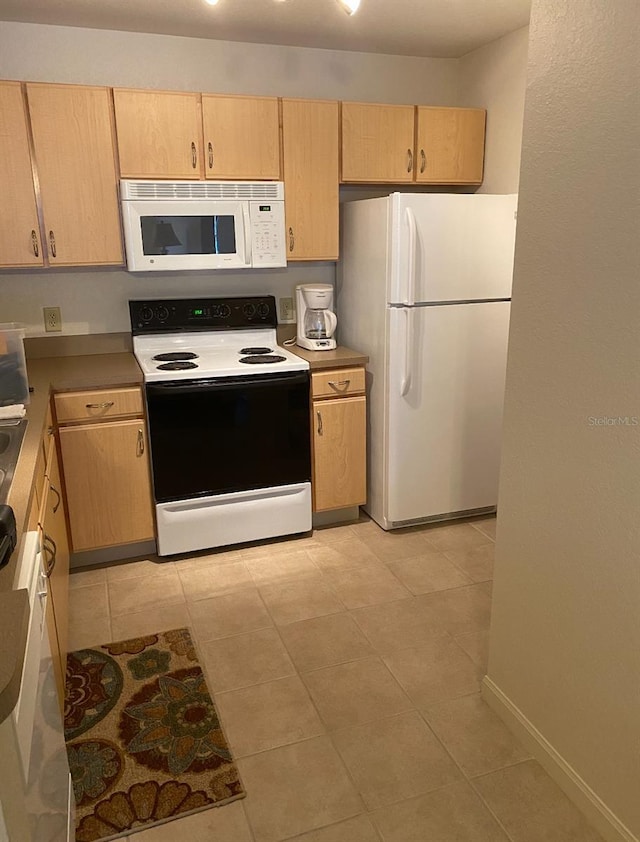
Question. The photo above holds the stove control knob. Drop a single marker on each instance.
(225, 311)
(162, 314)
(263, 309)
(145, 315)
(215, 311)
(249, 310)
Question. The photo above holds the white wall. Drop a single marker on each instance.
(565, 635)
(494, 77)
(94, 301)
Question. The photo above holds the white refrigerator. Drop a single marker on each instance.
(424, 289)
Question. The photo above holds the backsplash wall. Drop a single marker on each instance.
(96, 300)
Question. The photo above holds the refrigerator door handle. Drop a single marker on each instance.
(405, 383)
(413, 244)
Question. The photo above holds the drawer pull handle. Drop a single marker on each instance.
(336, 384)
(140, 444)
(57, 493)
(423, 161)
(320, 430)
(34, 241)
(104, 405)
(51, 549)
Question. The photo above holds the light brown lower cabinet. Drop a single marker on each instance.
(339, 453)
(108, 484)
(55, 544)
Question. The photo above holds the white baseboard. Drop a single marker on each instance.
(596, 811)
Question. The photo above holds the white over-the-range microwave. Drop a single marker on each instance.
(186, 225)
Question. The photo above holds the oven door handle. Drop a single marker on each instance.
(175, 387)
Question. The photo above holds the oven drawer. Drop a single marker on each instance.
(106, 403)
(337, 383)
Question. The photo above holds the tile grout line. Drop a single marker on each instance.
(469, 780)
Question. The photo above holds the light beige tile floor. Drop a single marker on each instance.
(346, 669)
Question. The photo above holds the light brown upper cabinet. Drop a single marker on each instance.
(310, 155)
(159, 134)
(377, 142)
(74, 153)
(241, 137)
(450, 147)
(19, 231)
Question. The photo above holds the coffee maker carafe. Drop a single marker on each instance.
(316, 319)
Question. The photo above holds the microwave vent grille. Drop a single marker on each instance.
(198, 190)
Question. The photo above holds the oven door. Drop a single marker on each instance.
(166, 235)
(228, 434)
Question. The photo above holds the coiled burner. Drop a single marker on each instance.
(177, 365)
(257, 359)
(176, 356)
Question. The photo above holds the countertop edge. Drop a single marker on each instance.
(340, 357)
(14, 611)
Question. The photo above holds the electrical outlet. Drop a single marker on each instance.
(52, 319)
(287, 311)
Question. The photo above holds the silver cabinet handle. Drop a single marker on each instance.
(52, 243)
(291, 239)
(58, 501)
(140, 443)
(52, 550)
(335, 384)
(320, 430)
(34, 243)
(104, 405)
(409, 160)
(423, 161)
(194, 156)
(210, 148)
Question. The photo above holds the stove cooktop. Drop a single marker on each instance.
(180, 339)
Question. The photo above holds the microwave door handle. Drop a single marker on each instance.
(246, 219)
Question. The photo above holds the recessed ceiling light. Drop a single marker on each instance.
(350, 6)
(211, 2)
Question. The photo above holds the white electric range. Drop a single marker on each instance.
(228, 413)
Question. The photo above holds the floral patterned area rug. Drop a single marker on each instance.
(144, 741)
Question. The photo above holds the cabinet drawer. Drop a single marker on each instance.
(83, 406)
(337, 383)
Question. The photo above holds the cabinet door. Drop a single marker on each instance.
(56, 550)
(377, 142)
(106, 472)
(310, 150)
(19, 231)
(450, 148)
(241, 137)
(73, 140)
(159, 134)
(339, 453)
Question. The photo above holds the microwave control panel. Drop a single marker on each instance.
(268, 247)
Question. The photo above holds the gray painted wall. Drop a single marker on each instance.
(565, 635)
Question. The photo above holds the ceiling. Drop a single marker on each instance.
(438, 28)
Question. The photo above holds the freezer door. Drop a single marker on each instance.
(450, 247)
(445, 394)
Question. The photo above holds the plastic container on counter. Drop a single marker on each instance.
(14, 384)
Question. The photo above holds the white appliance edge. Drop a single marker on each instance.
(374, 279)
